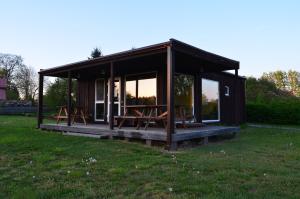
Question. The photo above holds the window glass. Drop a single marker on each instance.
(117, 90)
(100, 111)
(130, 92)
(210, 100)
(183, 92)
(147, 91)
(100, 89)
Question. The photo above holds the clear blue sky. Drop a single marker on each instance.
(262, 35)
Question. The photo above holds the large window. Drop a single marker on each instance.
(99, 99)
(141, 89)
(183, 93)
(210, 100)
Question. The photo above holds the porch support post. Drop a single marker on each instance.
(236, 73)
(69, 102)
(170, 98)
(40, 102)
(111, 96)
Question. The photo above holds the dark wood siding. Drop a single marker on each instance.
(86, 95)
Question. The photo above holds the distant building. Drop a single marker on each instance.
(3, 86)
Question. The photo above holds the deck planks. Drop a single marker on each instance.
(157, 134)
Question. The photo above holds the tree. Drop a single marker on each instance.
(96, 52)
(26, 82)
(263, 90)
(278, 77)
(294, 82)
(288, 81)
(12, 93)
(9, 63)
(2, 73)
(56, 93)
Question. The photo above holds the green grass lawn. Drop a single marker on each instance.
(258, 163)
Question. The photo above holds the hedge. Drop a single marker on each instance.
(274, 112)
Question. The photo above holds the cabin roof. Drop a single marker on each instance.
(177, 45)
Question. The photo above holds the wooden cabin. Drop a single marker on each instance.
(190, 88)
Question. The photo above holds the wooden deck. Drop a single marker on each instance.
(157, 134)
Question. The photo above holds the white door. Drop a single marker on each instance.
(99, 99)
(117, 97)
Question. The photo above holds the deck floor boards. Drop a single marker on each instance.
(149, 134)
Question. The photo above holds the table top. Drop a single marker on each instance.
(150, 106)
(145, 106)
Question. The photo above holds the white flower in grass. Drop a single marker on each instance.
(92, 160)
(265, 174)
(170, 189)
(30, 162)
(68, 171)
(87, 173)
(291, 144)
(222, 151)
(198, 172)
(136, 166)
(33, 177)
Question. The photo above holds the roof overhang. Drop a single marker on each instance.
(178, 46)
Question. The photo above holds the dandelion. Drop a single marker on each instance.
(222, 151)
(170, 189)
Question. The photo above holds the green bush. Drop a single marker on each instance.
(274, 112)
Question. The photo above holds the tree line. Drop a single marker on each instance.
(22, 80)
(274, 98)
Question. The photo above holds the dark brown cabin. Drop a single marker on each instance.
(171, 74)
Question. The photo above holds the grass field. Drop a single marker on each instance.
(258, 163)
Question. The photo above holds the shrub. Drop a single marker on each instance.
(274, 112)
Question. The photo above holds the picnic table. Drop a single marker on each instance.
(78, 113)
(62, 113)
(148, 114)
(143, 113)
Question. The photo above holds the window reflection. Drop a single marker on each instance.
(130, 92)
(141, 90)
(210, 100)
(117, 90)
(147, 91)
(183, 92)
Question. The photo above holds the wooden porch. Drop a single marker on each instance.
(151, 134)
(102, 93)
